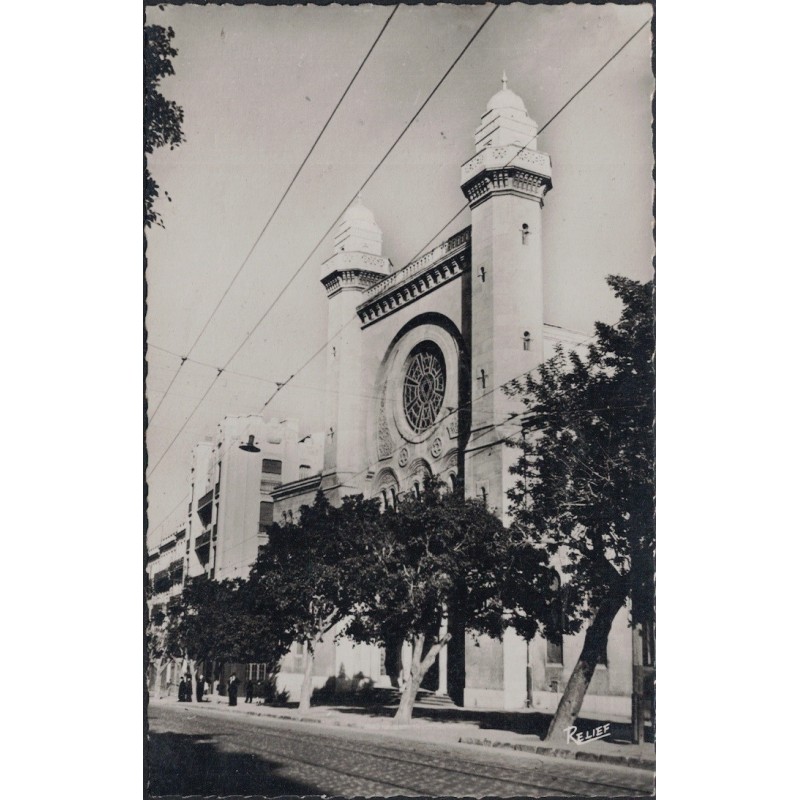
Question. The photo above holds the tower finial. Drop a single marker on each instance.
(505, 79)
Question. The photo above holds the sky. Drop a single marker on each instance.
(257, 84)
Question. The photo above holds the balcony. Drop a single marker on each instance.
(202, 540)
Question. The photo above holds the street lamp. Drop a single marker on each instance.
(250, 446)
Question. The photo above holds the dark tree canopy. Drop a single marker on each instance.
(308, 574)
(162, 118)
(586, 474)
(435, 556)
(224, 621)
(585, 477)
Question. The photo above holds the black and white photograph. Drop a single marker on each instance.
(400, 400)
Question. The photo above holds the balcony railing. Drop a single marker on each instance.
(421, 263)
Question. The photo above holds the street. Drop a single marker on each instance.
(206, 751)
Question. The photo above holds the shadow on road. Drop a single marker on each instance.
(183, 764)
(529, 723)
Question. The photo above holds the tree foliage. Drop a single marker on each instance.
(162, 118)
(224, 621)
(437, 554)
(585, 477)
(308, 573)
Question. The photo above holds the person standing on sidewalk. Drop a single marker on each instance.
(182, 691)
(248, 692)
(199, 689)
(233, 690)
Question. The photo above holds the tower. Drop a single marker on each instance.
(356, 264)
(505, 183)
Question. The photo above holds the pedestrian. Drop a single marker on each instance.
(182, 691)
(199, 689)
(248, 697)
(233, 690)
(189, 687)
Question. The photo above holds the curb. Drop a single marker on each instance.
(562, 752)
(540, 750)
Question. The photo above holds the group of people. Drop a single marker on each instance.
(185, 689)
(233, 690)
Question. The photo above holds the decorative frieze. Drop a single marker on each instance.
(349, 279)
(385, 440)
(509, 180)
(420, 277)
(508, 169)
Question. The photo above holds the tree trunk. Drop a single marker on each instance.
(419, 666)
(593, 645)
(308, 672)
(157, 684)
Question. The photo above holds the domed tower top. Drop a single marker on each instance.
(358, 231)
(506, 99)
(506, 121)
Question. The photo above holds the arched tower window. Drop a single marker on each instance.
(526, 340)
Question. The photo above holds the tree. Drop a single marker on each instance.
(162, 118)
(585, 486)
(223, 621)
(435, 556)
(308, 573)
(158, 641)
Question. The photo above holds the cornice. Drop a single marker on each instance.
(507, 169)
(422, 276)
(358, 279)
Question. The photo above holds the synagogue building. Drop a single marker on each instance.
(416, 357)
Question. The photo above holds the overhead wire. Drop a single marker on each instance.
(335, 335)
(538, 133)
(322, 239)
(521, 148)
(277, 207)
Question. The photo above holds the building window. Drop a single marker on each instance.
(555, 650)
(525, 232)
(484, 495)
(423, 386)
(384, 500)
(256, 672)
(526, 340)
(270, 466)
(394, 497)
(453, 481)
(265, 517)
(305, 471)
(416, 490)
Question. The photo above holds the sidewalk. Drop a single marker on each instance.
(514, 730)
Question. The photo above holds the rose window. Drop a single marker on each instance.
(423, 386)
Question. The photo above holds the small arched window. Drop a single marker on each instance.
(416, 490)
(484, 496)
(384, 500)
(525, 231)
(453, 481)
(394, 497)
(526, 340)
